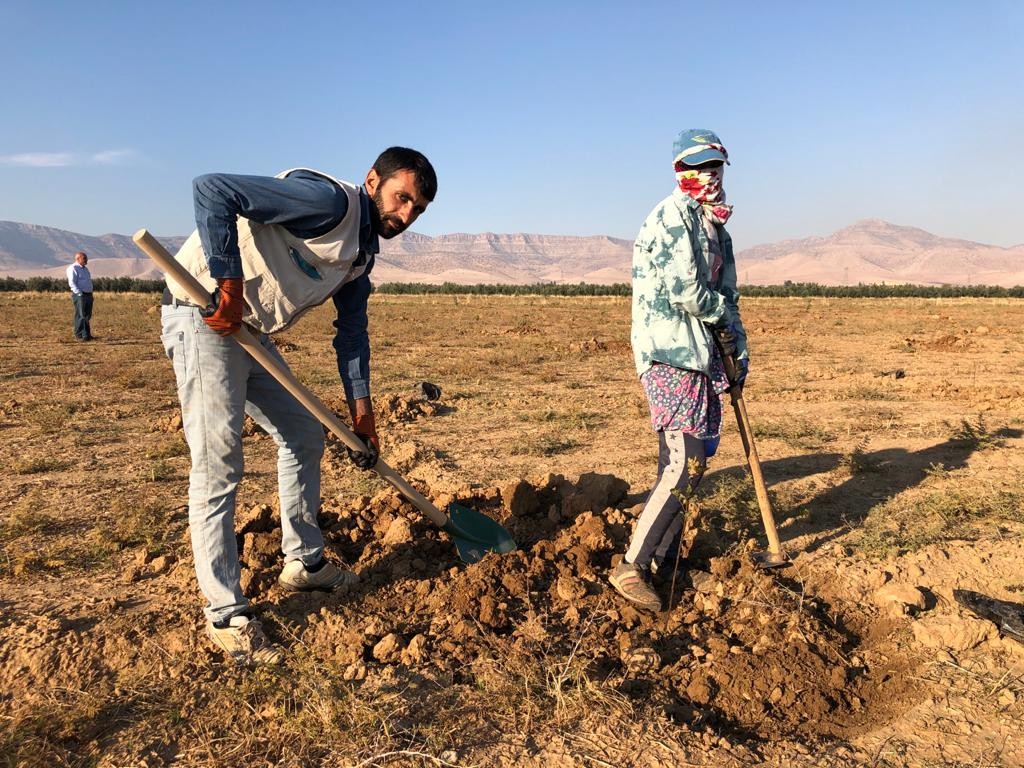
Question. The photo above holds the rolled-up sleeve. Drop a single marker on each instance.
(352, 339)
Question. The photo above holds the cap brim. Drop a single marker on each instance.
(705, 156)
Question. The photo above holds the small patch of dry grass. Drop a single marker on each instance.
(732, 497)
(916, 519)
(50, 417)
(169, 449)
(160, 470)
(797, 432)
(857, 461)
(35, 540)
(976, 435)
(28, 518)
(546, 445)
(34, 465)
(147, 523)
(869, 392)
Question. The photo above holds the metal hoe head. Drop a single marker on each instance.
(475, 534)
(768, 560)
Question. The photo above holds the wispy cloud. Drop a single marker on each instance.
(115, 156)
(61, 159)
(39, 159)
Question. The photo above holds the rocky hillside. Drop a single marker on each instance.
(870, 251)
(875, 251)
(28, 250)
(490, 258)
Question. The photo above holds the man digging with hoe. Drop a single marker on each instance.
(274, 248)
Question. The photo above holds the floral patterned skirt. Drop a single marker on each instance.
(686, 400)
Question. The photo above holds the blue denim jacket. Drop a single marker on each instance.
(674, 298)
(308, 206)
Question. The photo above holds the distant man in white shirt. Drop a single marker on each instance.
(80, 282)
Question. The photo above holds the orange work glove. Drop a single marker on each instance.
(226, 317)
(365, 427)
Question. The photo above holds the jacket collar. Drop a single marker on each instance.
(683, 200)
(368, 241)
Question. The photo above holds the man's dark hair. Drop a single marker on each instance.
(395, 159)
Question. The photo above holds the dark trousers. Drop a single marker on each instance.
(83, 314)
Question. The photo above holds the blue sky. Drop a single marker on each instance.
(547, 117)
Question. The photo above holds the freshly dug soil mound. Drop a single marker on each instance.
(741, 650)
(744, 659)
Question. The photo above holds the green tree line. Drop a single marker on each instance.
(491, 289)
(883, 291)
(787, 289)
(59, 284)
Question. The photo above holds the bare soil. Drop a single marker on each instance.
(890, 433)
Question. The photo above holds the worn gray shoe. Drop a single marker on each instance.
(633, 584)
(330, 578)
(243, 640)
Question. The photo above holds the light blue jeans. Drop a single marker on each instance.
(217, 384)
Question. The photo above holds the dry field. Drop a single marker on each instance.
(890, 432)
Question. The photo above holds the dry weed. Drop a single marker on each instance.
(917, 519)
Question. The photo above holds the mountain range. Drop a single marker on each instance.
(869, 251)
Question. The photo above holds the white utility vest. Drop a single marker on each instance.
(285, 275)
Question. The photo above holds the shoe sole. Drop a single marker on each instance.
(640, 604)
(241, 658)
(342, 587)
(648, 606)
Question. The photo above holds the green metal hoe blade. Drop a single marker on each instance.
(475, 534)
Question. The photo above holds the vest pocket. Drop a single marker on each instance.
(304, 266)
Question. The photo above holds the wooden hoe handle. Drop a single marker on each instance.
(201, 297)
(747, 436)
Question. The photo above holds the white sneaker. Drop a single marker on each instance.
(295, 578)
(243, 640)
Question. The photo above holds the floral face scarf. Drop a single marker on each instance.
(704, 184)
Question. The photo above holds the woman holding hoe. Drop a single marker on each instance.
(685, 317)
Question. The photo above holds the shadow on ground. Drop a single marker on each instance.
(875, 477)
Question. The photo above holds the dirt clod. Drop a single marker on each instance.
(901, 598)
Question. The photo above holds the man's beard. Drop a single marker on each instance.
(386, 226)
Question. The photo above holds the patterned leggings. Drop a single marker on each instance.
(681, 462)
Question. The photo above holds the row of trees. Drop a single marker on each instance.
(537, 289)
(883, 291)
(789, 288)
(59, 284)
(786, 289)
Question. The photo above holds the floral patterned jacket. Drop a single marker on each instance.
(674, 298)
